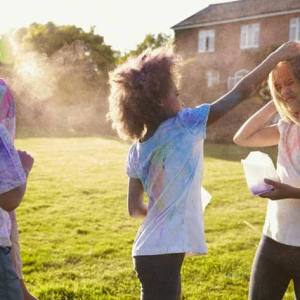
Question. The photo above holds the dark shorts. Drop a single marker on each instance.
(10, 287)
(159, 276)
(274, 266)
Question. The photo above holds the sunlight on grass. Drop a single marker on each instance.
(76, 235)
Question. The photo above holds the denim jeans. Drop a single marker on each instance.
(10, 286)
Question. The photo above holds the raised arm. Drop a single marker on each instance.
(248, 84)
(255, 132)
(135, 200)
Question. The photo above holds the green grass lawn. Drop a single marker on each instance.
(76, 235)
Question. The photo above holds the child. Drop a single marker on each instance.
(166, 160)
(7, 118)
(277, 260)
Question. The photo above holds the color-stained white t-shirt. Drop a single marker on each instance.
(170, 167)
(282, 222)
(12, 175)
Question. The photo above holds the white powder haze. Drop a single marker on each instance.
(58, 95)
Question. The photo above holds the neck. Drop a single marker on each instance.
(150, 131)
(151, 128)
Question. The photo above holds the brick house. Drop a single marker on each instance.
(222, 42)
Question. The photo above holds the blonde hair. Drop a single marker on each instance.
(137, 90)
(281, 105)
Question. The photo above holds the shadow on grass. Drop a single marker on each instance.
(234, 153)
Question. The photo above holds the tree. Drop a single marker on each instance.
(150, 42)
(49, 38)
(5, 50)
(60, 79)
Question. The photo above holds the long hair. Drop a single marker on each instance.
(137, 91)
(280, 103)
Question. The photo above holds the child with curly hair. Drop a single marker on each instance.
(166, 160)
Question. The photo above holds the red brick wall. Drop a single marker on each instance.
(227, 59)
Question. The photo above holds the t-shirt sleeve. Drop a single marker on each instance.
(282, 125)
(195, 119)
(131, 164)
(12, 173)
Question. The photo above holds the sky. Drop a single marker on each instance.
(122, 23)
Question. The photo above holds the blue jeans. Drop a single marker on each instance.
(10, 286)
(275, 265)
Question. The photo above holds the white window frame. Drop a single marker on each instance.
(206, 41)
(294, 32)
(233, 80)
(250, 36)
(212, 77)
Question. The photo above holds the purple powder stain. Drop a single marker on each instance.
(260, 189)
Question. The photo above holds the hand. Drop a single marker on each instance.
(28, 296)
(26, 160)
(280, 191)
(288, 50)
(26, 293)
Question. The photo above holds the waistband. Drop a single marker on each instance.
(5, 250)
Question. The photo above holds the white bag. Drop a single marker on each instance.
(257, 167)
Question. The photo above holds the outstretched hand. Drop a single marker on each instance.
(26, 293)
(280, 191)
(288, 50)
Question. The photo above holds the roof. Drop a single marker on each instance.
(237, 10)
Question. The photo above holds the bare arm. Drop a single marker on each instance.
(281, 191)
(255, 132)
(27, 295)
(135, 199)
(11, 199)
(248, 84)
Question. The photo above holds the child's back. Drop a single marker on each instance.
(169, 165)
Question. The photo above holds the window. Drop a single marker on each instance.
(249, 36)
(233, 80)
(213, 78)
(295, 29)
(206, 41)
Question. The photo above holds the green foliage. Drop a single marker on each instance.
(59, 79)
(6, 56)
(49, 38)
(76, 235)
(150, 42)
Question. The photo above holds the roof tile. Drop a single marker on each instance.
(237, 9)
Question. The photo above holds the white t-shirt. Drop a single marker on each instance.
(12, 175)
(282, 222)
(170, 166)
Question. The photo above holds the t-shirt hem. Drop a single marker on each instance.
(5, 242)
(188, 252)
(281, 241)
(12, 186)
